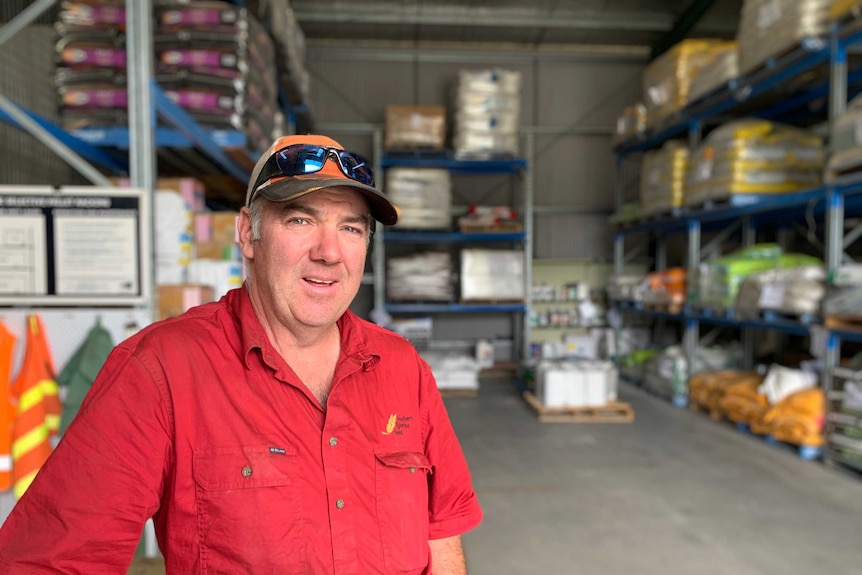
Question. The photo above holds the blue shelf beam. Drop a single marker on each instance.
(405, 237)
(445, 160)
(118, 137)
(455, 308)
(180, 119)
(85, 149)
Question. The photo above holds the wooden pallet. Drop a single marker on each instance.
(498, 228)
(844, 322)
(613, 412)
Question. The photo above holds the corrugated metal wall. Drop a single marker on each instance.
(26, 78)
(570, 103)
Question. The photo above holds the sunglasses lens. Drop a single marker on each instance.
(357, 168)
(298, 160)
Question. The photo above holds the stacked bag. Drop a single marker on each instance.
(716, 74)
(487, 109)
(423, 197)
(753, 157)
(213, 59)
(795, 291)
(663, 178)
(217, 62)
(91, 64)
(667, 79)
(716, 283)
(771, 28)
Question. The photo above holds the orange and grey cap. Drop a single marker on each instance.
(281, 188)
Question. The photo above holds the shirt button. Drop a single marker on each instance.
(412, 470)
(246, 471)
(333, 441)
(339, 503)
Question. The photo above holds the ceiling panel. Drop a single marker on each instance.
(542, 23)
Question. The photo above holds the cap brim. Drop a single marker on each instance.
(297, 186)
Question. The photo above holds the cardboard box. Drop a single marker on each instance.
(176, 299)
(415, 127)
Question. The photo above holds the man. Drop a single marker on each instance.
(270, 432)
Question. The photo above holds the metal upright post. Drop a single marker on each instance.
(837, 107)
(660, 252)
(379, 259)
(749, 234)
(142, 147)
(526, 176)
(692, 326)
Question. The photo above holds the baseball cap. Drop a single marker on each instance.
(281, 188)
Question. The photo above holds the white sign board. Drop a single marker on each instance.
(74, 246)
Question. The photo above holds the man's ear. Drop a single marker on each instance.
(244, 232)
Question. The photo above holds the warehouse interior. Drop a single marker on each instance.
(633, 273)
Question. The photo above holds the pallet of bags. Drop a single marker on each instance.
(424, 276)
(746, 158)
(217, 62)
(667, 79)
(771, 28)
(796, 292)
(423, 197)
(707, 389)
(486, 111)
(718, 73)
(90, 53)
(662, 182)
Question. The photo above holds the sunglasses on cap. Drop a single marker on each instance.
(302, 159)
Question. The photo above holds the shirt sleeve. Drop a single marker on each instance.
(86, 508)
(452, 503)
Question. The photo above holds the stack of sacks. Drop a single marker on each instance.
(218, 63)
(91, 64)
(423, 197)
(753, 157)
(716, 283)
(846, 142)
(771, 28)
(743, 403)
(707, 389)
(453, 371)
(631, 122)
(663, 178)
(796, 419)
(667, 79)
(487, 109)
(290, 51)
(665, 374)
(716, 74)
(794, 291)
(666, 287)
(492, 275)
(841, 9)
(420, 277)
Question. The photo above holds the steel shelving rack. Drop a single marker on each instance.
(515, 167)
(764, 94)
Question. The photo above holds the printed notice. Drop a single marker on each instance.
(23, 269)
(95, 253)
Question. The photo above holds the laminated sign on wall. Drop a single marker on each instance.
(75, 245)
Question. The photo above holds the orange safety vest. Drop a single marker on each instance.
(38, 418)
(7, 408)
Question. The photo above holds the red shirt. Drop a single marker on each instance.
(199, 422)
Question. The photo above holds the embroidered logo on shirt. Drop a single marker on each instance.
(397, 425)
(277, 450)
(390, 427)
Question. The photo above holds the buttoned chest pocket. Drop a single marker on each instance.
(402, 509)
(247, 509)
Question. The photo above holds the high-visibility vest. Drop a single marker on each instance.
(7, 407)
(38, 417)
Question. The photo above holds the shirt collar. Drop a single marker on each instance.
(355, 343)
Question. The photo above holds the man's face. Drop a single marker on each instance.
(308, 264)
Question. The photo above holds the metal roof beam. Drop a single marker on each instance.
(472, 16)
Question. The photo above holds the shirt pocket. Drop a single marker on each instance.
(247, 509)
(402, 508)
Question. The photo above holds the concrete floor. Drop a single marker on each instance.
(671, 493)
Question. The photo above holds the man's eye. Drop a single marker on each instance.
(297, 221)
